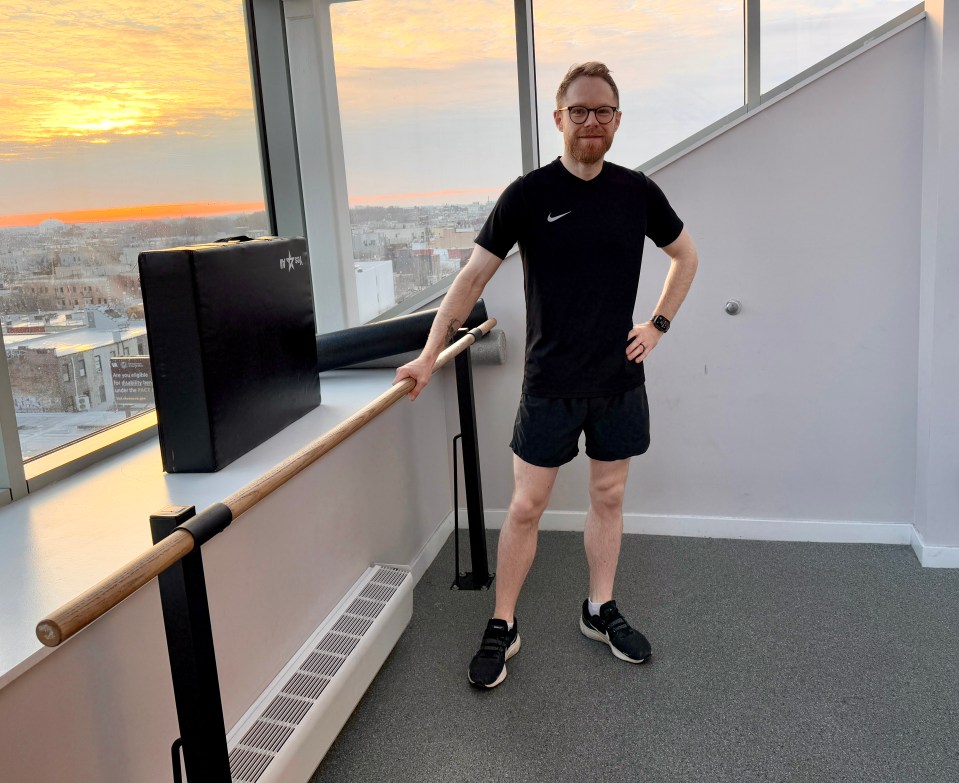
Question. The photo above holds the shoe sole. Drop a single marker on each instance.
(592, 633)
(510, 652)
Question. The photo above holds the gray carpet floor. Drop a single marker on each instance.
(771, 662)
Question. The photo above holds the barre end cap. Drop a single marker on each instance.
(49, 633)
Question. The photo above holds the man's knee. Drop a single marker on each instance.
(607, 493)
(526, 509)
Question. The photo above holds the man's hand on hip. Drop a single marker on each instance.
(642, 339)
(420, 370)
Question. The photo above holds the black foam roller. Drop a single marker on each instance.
(383, 338)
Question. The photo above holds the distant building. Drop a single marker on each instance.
(447, 238)
(54, 293)
(375, 289)
(69, 370)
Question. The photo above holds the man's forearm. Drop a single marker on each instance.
(455, 309)
(682, 270)
(459, 300)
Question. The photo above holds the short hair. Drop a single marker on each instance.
(576, 70)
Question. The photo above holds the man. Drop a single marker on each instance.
(580, 223)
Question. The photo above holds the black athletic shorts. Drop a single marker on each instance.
(547, 430)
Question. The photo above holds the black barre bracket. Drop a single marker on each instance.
(208, 523)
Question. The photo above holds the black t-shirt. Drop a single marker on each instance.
(582, 247)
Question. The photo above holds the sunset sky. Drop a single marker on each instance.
(105, 103)
(108, 104)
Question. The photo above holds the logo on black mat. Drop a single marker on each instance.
(291, 261)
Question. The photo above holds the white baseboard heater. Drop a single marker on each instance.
(283, 737)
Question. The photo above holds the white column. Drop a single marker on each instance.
(322, 166)
(937, 484)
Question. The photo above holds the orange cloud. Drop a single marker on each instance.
(422, 35)
(420, 55)
(142, 212)
(88, 71)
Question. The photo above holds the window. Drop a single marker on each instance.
(678, 67)
(123, 131)
(429, 109)
(797, 36)
(98, 365)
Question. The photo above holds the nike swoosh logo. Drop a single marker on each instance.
(552, 219)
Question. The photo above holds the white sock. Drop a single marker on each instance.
(593, 607)
(509, 625)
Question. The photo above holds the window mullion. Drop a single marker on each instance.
(752, 53)
(273, 100)
(11, 456)
(526, 70)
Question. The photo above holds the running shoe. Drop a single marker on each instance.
(611, 628)
(500, 643)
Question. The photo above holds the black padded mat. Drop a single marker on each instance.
(232, 344)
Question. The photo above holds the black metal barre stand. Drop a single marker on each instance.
(186, 609)
(189, 638)
(479, 578)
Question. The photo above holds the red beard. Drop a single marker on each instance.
(589, 150)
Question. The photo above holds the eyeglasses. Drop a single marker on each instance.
(579, 114)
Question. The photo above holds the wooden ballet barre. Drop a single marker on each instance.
(77, 614)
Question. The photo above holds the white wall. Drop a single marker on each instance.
(99, 709)
(803, 407)
(937, 508)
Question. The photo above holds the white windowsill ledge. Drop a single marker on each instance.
(81, 454)
(59, 541)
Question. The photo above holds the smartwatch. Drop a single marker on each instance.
(661, 322)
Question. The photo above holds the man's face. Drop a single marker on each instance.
(589, 142)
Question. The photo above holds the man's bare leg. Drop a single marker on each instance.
(603, 536)
(517, 540)
(604, 525)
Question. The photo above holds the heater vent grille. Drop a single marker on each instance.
(377, 592)
(322, 664)
(358, 626)
(276, 724)
(364, 608)
(338, 643)
(247, 765)
(305, 685)
(266, 735)
(287, 709)
(390, 576)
